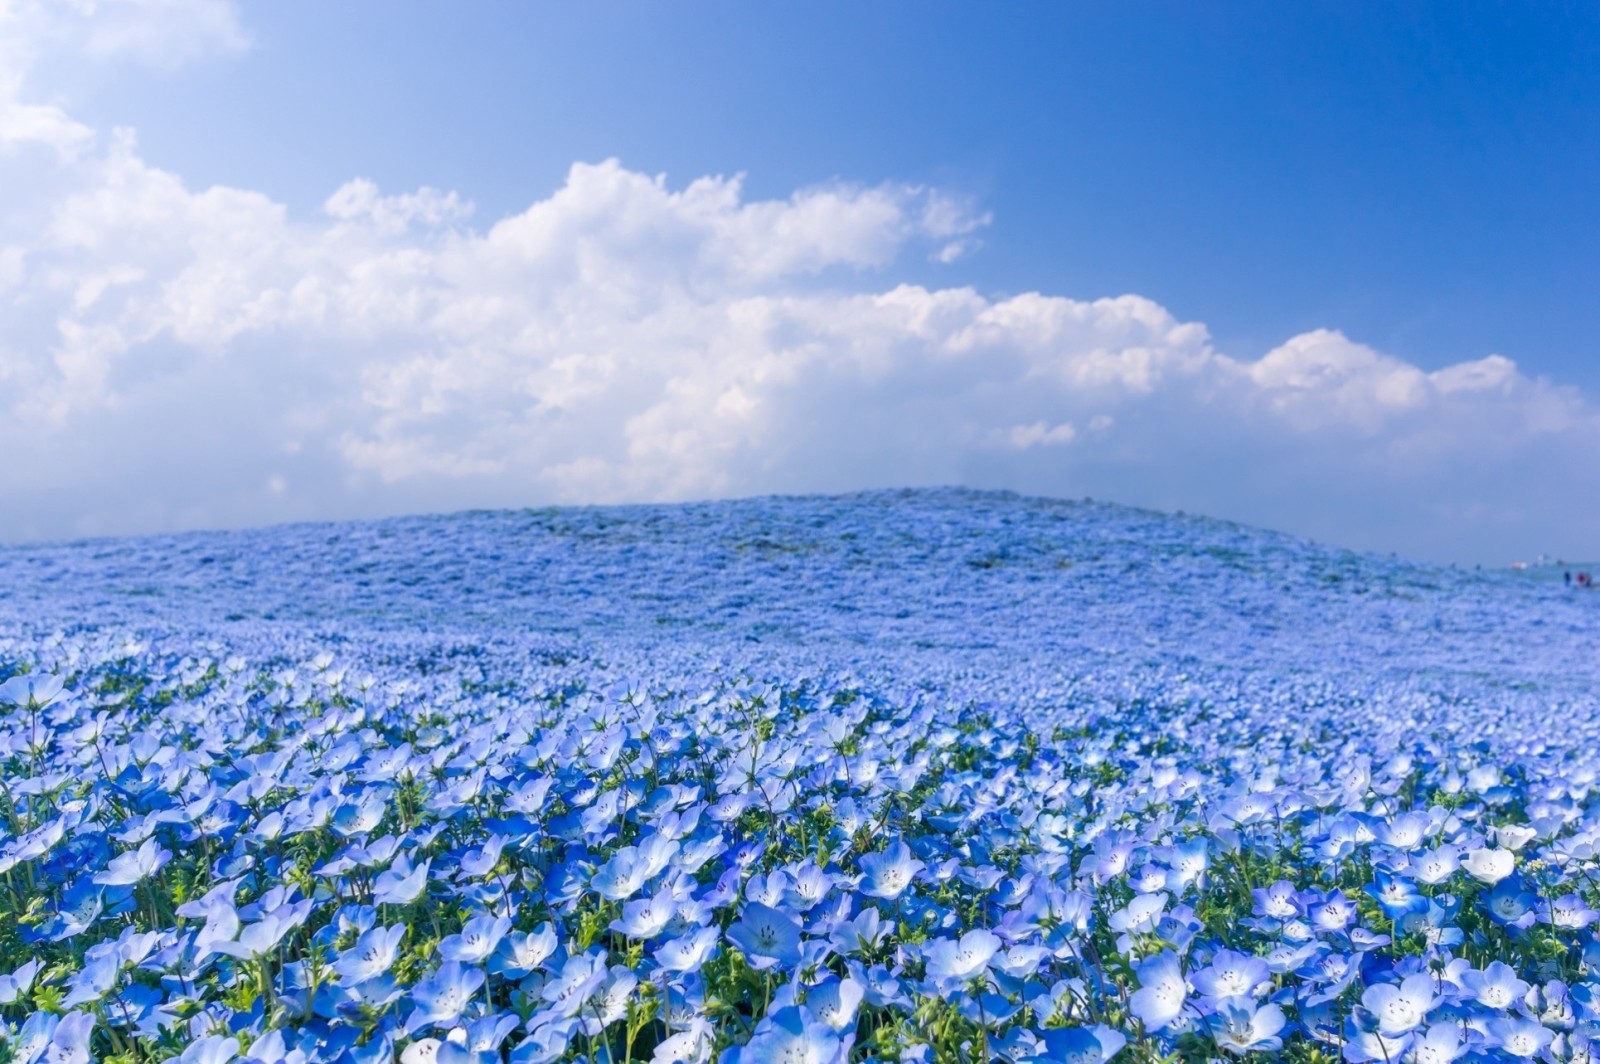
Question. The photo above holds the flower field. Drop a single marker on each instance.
(925, 776)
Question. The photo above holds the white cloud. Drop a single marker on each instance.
(1038, 434)
(159, 33)
(175, 356)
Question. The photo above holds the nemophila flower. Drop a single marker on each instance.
(16, 984)
(363, 1003)
(1514, 836)
(835, 1002)
(1330, 912)
(1394, 894)
(1080, 1045)
(688, 952)
(1162, 991)
(692, 1046)
(622, 876)
(442, 995)
(1490, 865)
(770, 889)
(546, 1041)
(1277, 902)
(1403, 1008)
(1404, 832)
(609, 1003)
(1496, 987)
(788, 1035)
(134, 866)
(1112, 855)
(422, 1051)
(479, 937)
(211, 1049)
(1437, 865)
(222, 921)
(1187, 863)
(646, 917)
(1241, 1026)
(570, 989)
(264, 934)
(1511, 904)
(520, 953)
(81, 905)
(1230, 974)
(1440, 1044)
(31, 690)
(888, 873)
(1021, 962)
(1141, 915)
(402, 883)
(808, 885)
(362, 814)
(1362, 1046)
(960, 961)
(1435, 923)
(373, 954)
(1550, 1004)
(94, 980)
(481, 861)
(766, 936)
(1330, 974)
(29, 1044)
(1518, 1036)
(1568, 912)
(32, 845)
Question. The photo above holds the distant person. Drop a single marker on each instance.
(1567, 576)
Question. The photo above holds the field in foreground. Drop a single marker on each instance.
(899, 776)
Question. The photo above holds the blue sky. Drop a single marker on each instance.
(1421, 177)
(1410, 188)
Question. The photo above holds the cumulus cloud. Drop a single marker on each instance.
(175, 356)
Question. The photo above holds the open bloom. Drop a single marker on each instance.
(888, 873)
(135, 866)
(1399, 1009)
(373, 954)
(1490, 865)
(766, 936)
(1162, 991)
(960, 961)
(1240, 1027)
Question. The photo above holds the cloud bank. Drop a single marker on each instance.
(178, 357)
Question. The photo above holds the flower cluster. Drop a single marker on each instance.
(461, 831)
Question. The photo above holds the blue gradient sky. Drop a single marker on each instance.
(1422, 177)
(306, 260)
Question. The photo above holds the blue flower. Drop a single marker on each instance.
(1518, 1036)
(766, 936)
(372, 955)
(478, 938)
(787, 1034)
(211, 1049)
(1231, 974)
(443, 994)
(1401, 1009)
(135, 866)
(688, 952)
(1241, 1026)
(887, 874)
(961, 961)
(1081, 1045)
(401, 884)
(1162, 991)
